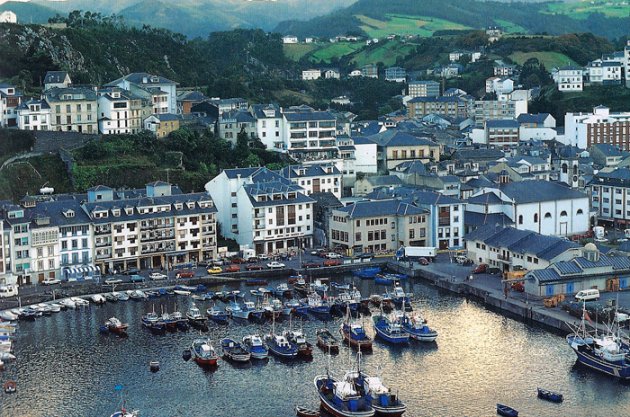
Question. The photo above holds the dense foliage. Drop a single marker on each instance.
(15, 141)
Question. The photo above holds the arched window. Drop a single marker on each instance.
(547, 215)
(565, 168)
(575, 169)
(535, 217)
(563, 213)
(580, 211)
(520, 219)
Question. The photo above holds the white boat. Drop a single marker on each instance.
(68, 303)
(80, 301)
(6, 356)
(182, 292)
(8, 315)
(98, 299)
(137, 295)
(54, 307)
(122, 296)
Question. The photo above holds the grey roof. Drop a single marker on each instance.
(390, 207)
(505, 124)
(195, 96)
(54, 94)
(486, 198)
(315, 170)
(536, 191)
(139, 78)
(412, 167)
(361, 140)
(415, 195)
(258, 110)
(607, 149)
(236, 116)
(538, 118)
(55, 77)
(242, 172)
(24, 105)
(167, 117)
(308, 116)
(396, 138)
(472, 218)
(481, 154)
(383, 180)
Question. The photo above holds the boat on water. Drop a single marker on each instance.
(115, 326)
(327, 342)
(98, 299)
(255, 313)
(217, 315)
(606, 353)
(340, 398)
(301, 411)
(507, 411)
(203, 352)
(253, 282)
(305, 349)
(152, 322)
(234, 351)
(367, 273)
(280, 346)
(7, 356)
(182, 292)
(8, 315)
(354, 334)
(80, 302)
(416, 327)
(389, 329)
(282, 290)
(122, 296)
(255, 346)
(235, 311)
(137, 295)
(290, 307)
(399, 297)
(68, 303)
(554, 397)
(339, 286)
(112, 297)
(383, 400)
(196, 319)
(9, 387)
(318, 307)
(180, 321)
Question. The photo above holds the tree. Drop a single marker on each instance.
(241, 151)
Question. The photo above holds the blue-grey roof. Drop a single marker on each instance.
(502, 124)
(538, 118)
(366, 208)
(474, 219)
(236, 116)
(259, 111)
(412, 167)
(486, 198)
(607, 149)
(309, 116)
(546, 275)
(384, 180)
(315, 170)
(82, 93)
(536, 191)
(396, 138)
(167, 117)
(242, 172)
(361, 140)
(55, 77)
(140, 78)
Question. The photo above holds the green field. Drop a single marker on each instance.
(581, 9)
(405, 25)
(385, 52)
(333, 50)
(510, 27)
(549, 59)
(295, 51)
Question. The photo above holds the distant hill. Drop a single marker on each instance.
(28, 12)
(533, 17)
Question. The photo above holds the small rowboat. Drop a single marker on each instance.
(550, 395)
(9, 387)
(506, 411)
(305, 412)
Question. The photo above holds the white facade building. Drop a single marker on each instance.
(600, 126)
(159, 91)
(311, 74)
(34, 115)
(119, 111)
(570, 79)
(315, 178)
(269, 126)
(8, 17)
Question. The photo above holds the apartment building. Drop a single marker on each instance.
(34, 114)
(486, 109)
(73, 109)
(423, 89)
(502, 132)
(10, 99)
(159, 91)
(310, 134)
(601, 126)
(445, 106)
(232, 122)
(384, 225)
(316, 178)
(610, 196)
(57, 79)
(269, 126)
(569, 78)
(262, 209)
(119, 111)
(311, 74)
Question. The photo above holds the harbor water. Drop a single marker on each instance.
(65, 367)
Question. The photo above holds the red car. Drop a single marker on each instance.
(184, 274)
(333, 262)
(480, 269)
(237, 260)
(254, 267)
(232, 268)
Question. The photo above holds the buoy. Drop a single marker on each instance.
(187, 355)
(10, 387)
(154, 366)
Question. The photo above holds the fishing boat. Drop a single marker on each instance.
(339, 286)
(384, 279)
(180, 321)
(327, 342)
(8, 315)
(389, 329)
(234, 351)
(400, 297)
(301, 286)
(196, 319)
(255, 346)
(114, 325)
(217, 315)
(282, 290)
(279, 345)
(416, 327)
(236, 311)
(98, 299)
(56, 308)
(318, 307)
(152, 322)
(340, 398)
(290, 307)
(112, 297)
(382, 399)
(550, 395)
(68, 303)
(30, 314)
(506, 411)
(80, 302)
(305, 349)
(7, 356)
(181, 292)
(606, 353)
(367, 273)
(255, 313)
(203, 352)
(301, 411)
(354, 334)
(122, 296)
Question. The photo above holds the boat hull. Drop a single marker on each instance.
(329, 406)
(587, 358)
(362, 345)
(206, 362)
(392, 411)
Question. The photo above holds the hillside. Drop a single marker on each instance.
(532, 17)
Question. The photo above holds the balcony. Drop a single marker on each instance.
(157, 237)
(259, 225)
(103, 256)
(506, 258)
(155, 225)
(101, 243)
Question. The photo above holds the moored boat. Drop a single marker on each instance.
(417, 328)
(367, 273)
(114, 325)
(301, 411)
(390, 330)
(255, 346)
(196, 319)
(217, 315)
(354, 334)
(545, 394)
(152, 322)
(233, 350)
(305, 349)
(203, 352)
(340, 397)
(327, 342)
(280, 346)
(384, 402)
(8, 315)
(506, 411)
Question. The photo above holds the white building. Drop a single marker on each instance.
(159, 91)
(269, 126)
(569, 78)
(289, 39)
(8, 17)
(601, 126)
(10, 99)
(262, 209)
(604, 72)
(310, 135)
(34, 115)
(610, 195)
(311, 74)
(315, 178)
(499, 85)
(626, 62)
(544, 207)
(119, 111)
(57, 79)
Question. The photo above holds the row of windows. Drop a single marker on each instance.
(563, 213)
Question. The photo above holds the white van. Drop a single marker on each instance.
(587, 295)
(8, 290)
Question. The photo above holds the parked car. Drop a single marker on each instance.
(263, 257)
(308, 265)
(255, 267)
(480, 269)
(131, 271)
(252, 259)
(322, 253)
(334, 255)
(316, 252)
(232, 268)
(218, 262)
(204, 263)
(275, 265)
(237, 260)
(493, 271)
(366, 256)
(156, 276)
(214, 270)
(423, 261)
(136, 278)
(51, 281)
(333, 262)
(184, 274)
(112, 281)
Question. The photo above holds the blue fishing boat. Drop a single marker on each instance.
(384, 280)
(217, 315)
(234, 351)
(318, 307)
(196, 319)
(416, 327)
(354, 334)
(383, 400)
(235, 311)
(367, 273)
(606, 353)
(390, 330)
(280, 346)
(339, 286)
(554, 397)
(180, 320)
(399, 297)
(255, 313)
(506, 411)
(152, 322)
(255, 346)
